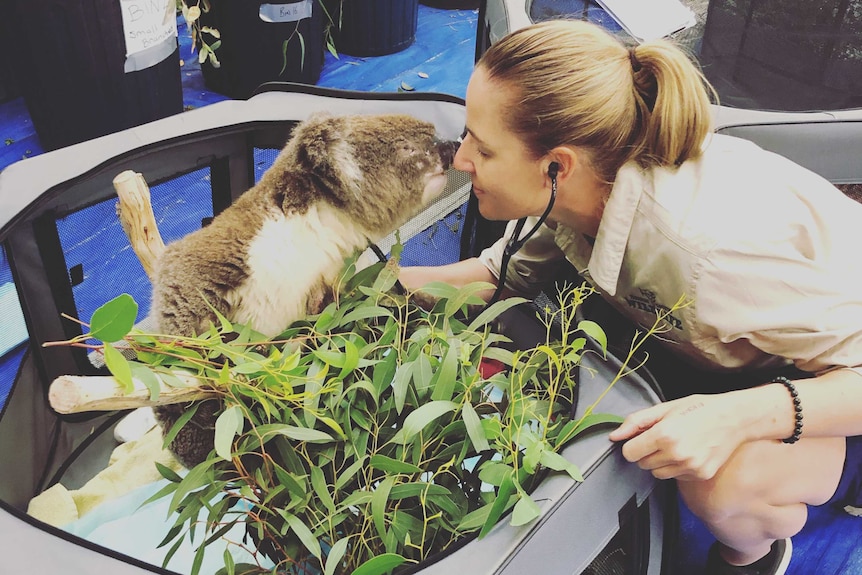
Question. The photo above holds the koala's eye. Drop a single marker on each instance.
(463, 135)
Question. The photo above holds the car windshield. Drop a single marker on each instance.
(787, 55)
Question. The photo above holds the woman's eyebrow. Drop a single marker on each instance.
(472, 135)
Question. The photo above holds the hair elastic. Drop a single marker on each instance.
(636, 65)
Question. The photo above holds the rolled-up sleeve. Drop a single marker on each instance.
(533, 266)
(806, 309)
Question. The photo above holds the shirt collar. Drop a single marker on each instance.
(610, 247)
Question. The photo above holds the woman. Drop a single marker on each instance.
(650, 206)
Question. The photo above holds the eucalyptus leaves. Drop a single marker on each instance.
(367, 436)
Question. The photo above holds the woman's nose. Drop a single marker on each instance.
(461, 161)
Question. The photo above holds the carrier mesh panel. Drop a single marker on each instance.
(14, 332)
(263, 159)
(102, 263)
(433, 237)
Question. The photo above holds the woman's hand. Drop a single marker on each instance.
(688, 438)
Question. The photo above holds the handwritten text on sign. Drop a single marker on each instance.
(147, 23)
(292, 12)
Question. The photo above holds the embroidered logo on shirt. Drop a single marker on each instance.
(646, 302)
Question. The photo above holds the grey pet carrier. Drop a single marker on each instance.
(68, 255)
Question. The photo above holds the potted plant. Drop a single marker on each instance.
(373, 27)
(92, 67)
(370, 435)
(243, 44)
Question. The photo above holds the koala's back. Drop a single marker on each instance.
(273, 256)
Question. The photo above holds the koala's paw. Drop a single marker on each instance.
(196, 439)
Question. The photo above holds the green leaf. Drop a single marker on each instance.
(119, 367)
(168, 473)
(115, 319)
(385, 279)
(474, 428)
(336, 553)
(148, 378)
(378, 505)
(422, 375)
(525, 511)
(494, 310)
(241, 569)
(421, 417)
(295, 433)
(557, 462)
(501, 503)
(443, 290)
(345, 477)
(303, 532)
(163, 492)
(444, 378)
(198, 477)
(384, 372)
(229, 563)
(179, 423)
(415, 489)
(390, 465)
(379, 565)
(494, 472)
(466, 294)
(227, 426)
(318, 483)
(475, 519)
(401, 383)
(596, 332)
(351, 359)
(577, 426)
(365, 313)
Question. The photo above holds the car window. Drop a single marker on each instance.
(787, 55)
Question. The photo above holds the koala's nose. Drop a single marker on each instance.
(447, 150)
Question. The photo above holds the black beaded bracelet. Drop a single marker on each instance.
(797, 408)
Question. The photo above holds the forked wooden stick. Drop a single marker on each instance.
(136, 216)
(76, 394)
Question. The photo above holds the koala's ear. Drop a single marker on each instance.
(313, 138)
(322, 148)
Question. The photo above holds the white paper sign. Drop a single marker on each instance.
(649, 19)
(292, 12)
(148, 23)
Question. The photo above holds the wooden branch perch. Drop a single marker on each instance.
(136, 215)
(76, 394)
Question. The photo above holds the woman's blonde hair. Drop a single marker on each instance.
(573, 83)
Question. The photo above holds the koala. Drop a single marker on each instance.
(273, 256)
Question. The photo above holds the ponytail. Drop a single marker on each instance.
(673, 99)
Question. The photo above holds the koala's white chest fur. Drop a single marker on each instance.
(289, 260)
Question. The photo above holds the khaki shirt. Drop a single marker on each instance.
(768, 251)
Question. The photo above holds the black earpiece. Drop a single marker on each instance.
(553, 168)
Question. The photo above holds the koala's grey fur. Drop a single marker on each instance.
(272, 257)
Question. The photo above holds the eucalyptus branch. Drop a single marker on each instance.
(660, 326)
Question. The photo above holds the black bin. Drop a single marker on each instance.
(253, 51)
(375, 27)
(70, 60)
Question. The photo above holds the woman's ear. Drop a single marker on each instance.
(562, 161)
